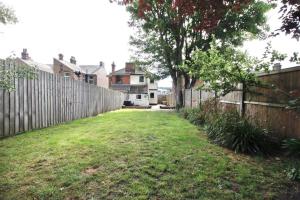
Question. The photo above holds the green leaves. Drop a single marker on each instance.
(223, 68)
(7, 15)
(10, 70)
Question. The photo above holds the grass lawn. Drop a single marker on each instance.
(132, 155)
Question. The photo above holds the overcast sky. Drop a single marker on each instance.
(90, 30)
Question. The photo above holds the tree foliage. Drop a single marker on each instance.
(222, 69)
(10, 70)
(7, 15)
(168, 31)
(290, 17)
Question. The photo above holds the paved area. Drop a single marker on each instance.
(157, 108)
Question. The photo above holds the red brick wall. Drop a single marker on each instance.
(125, 79)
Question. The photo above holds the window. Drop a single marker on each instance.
(141, 79)
(138, 96)
(119, 80)
(151, 80)
(67, 75)
(152, 95)
(91, 80)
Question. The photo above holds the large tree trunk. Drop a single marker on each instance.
(178, 87)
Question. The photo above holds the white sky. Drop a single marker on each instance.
(90, 30)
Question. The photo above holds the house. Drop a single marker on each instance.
(67, 69)
(26, 60)
(140, 89)
(95, 74)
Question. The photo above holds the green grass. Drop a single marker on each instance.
(132, 155)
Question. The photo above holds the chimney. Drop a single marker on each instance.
(129, 67)
(113, 67)
(101, 64)
(277, 67)
(73, 60)
(60, 56)
(24, 54)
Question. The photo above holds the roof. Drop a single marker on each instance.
(69, 65)
(40, 66)
(90, 69)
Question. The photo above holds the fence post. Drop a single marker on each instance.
(191, 96)
(242, 99)
(200, 97)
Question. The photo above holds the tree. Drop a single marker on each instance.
(168, 31)
(290, 16)
(223, 69)
(9, 69)
(7, 15)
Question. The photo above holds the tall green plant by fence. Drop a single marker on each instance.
(49, 100)
(268, 107)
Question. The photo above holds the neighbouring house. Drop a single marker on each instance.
(140, 89)
(67, 69)
(95, 74)
(164, 90)
(25, 59)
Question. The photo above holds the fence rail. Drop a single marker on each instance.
(50, 100)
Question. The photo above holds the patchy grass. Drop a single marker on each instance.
(132, 155)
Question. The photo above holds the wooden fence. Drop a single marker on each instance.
(50, 100)
(268, 109)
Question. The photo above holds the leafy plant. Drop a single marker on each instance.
(292, 146)
(11, 70)
(184, 112)
(196, 116)
(230, 130)
(7, 15)
(293, 173)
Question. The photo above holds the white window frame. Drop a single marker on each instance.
(91, 80)
(67, 75)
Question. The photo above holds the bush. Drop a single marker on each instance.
(184, 112)
(293, 173)
(230, 130)
(292, 146)
(194, 115)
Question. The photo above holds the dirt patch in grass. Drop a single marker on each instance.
(92, 170)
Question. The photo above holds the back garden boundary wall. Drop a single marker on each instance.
(270, 109)
(50, 100)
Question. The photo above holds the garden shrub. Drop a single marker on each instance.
(196, 116)
(292, 146)
(229, 130)
(293, 173)
(184, 112)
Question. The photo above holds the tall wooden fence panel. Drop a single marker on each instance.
(267, 107)
(49, 100)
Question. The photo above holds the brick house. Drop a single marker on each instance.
(26, 60)
(95, 74)
(140, 89)
(67, 69)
